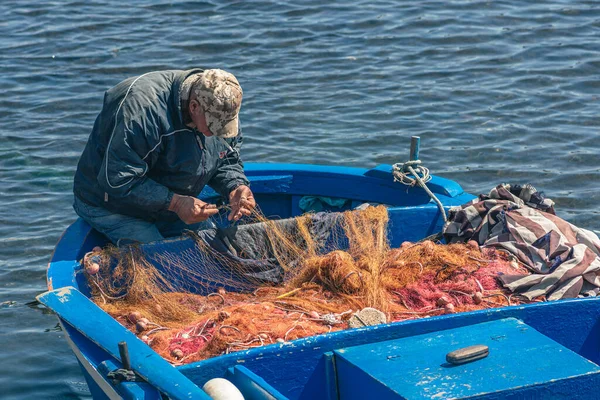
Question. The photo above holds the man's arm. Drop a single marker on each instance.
(129, 156)
(126, 161)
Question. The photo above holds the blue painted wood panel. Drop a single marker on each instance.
(323, 382)
(279, 188)
(574, 324)
(85, 316)
(252, 386)
(375, 185)
(415, 367)
(129, 390)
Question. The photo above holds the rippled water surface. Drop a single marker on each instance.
(499, 91)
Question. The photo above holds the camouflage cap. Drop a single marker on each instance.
(220, 94)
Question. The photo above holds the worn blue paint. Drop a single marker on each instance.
(129, 390)
(85, 316)
(350, 183)
(92, 356)
(252, 386)
(415, 367)
(437, 185)
(323, 381)
(572, 323)
(306, 369)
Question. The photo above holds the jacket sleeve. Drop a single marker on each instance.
(230, 173)
(127, 159)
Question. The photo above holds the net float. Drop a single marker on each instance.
(134, 316)
(442, 301)
(141, 326)
(473, 244)
(222, 389)
(92, 268)
(177, 353)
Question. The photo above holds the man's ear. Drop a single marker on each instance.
(194, 107)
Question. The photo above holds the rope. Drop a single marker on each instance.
(123, 375)
(420, 176)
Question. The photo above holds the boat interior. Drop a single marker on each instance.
(404, 360)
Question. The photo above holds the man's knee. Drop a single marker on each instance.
(119, 229)
(176, 228)
(133, 232)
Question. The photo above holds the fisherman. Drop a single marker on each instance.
(159, 139)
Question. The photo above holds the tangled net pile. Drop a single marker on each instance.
(321, 289)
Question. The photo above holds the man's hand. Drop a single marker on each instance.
(241, 201)
(192, 210)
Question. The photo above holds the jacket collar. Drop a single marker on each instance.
(177, 94)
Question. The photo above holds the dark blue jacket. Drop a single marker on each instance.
(140, 152)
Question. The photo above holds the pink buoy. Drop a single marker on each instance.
(92, 268)
(140, 326)
(134, 316)
(442, 301)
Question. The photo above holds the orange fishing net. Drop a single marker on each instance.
(322, 289)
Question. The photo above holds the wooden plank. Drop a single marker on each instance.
(340, 182)
(252, 386)
(416, 367)
(572, 323)
(323, 178)
(322, 384)
(63, 263)
(437, 185)
(88, 319)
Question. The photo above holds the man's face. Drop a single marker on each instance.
(198, 118)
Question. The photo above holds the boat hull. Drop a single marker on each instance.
(303, 368)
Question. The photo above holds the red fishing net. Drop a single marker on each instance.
(320, 292)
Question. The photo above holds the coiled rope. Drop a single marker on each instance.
(420, 176)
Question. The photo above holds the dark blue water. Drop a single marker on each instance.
(499, 91)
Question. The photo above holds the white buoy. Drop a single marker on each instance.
(222, 389)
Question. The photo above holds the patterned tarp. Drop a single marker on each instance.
(562, 257)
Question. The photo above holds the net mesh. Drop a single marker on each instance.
(190, 299)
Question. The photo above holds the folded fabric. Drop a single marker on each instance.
(563, 258)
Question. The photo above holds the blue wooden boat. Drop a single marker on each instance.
(543, 350)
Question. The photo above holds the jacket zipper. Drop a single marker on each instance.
(203, 155)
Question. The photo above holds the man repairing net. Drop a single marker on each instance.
(159, 139)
